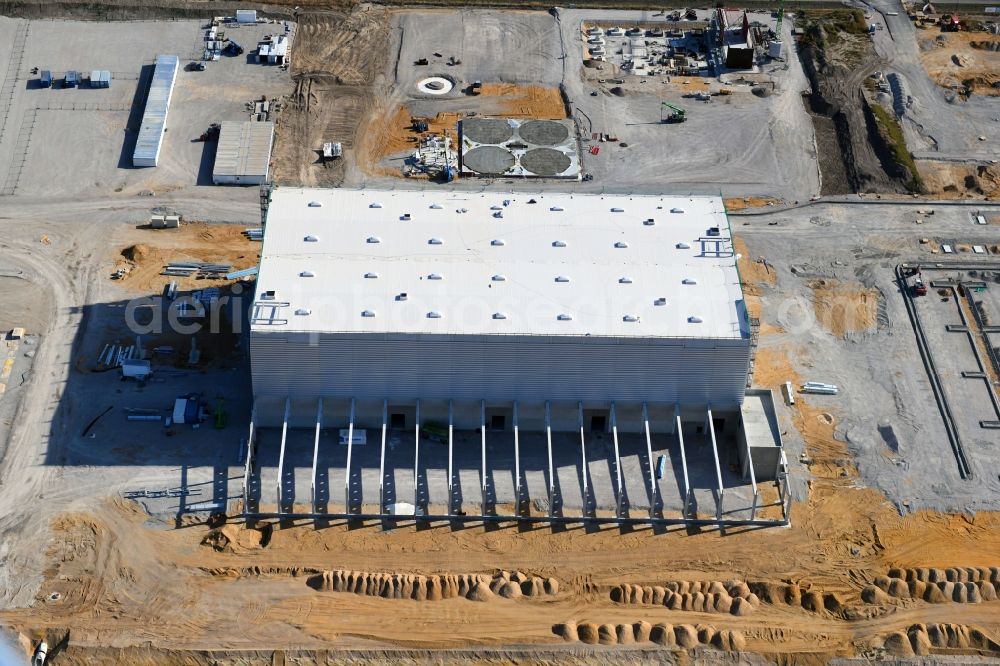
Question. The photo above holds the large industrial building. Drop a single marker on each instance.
(405, 296)
(154, 117)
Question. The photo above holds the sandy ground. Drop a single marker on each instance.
(950, 180)
(145, 259)
(115, 577)
(952, 62)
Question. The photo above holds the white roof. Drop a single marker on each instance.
(154, 118)
(493, 263)
(244, 148)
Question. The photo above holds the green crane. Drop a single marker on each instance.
(677, 115)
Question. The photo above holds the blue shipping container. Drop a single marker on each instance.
(71, 79)
(46, 78)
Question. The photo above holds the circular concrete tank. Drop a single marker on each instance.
(545, 161)
(435, 85)
(543, 132)
(486, 130)
(488, 160)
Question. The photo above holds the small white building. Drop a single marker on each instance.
(246, 15)
(244, 153)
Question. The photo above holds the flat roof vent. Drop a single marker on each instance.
(401, 296)
(565, 317)
(374, 205)
(562, 278)
(367, 313)
(496, 207)
(405, 217)
(315, 204)
(303, 311)
(621, 244)
(625, 280)
(660, 301)
(374, 239)
(434, 276)
(498, 242)
(630, 318)
(649, 222)
(617, 210)
(694, 319)
(689, 281)
(557, 209)
(499, 278)
(499, 315)
(558, 243)
(436, 206)
(676, 210)
(307, 274)
(371, 275)
(310, 239)
(435, 241)
(433, 314)
(683, 246)
(268, 295)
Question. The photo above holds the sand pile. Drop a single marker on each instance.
(232, 538)
(474, 587)
(683, 636)
(844, 308)
(964, 585)
(707, 596)
(136, 252)
(922, 640)
(791, 594)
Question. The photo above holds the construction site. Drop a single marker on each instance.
(445, 334)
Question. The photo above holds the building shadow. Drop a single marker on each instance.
(134, 121)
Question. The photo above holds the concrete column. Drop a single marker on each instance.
(451, 440)
(416, 461)
(684, 464)
(381, 460)
(249, 461)
(319, 424)
(281, 455)
(718, 469)
(517, 465)
(618, 463)
(649, 457)
(548, 439)
(347, 470)
(482, 434)
(583, 453)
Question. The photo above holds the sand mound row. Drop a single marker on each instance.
(684, 636)
(921, 640)
(700, 596)
(952, 575)
(791, 594)
(936, 586)
(475, 587)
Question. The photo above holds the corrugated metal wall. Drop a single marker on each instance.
(501, 368)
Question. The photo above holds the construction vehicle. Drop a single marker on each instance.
(233, 48)
(950, 23)
(676, 115)
(419, 125)
(41, 654)
(918, 288)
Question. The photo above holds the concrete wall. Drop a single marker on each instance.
(500, 369)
